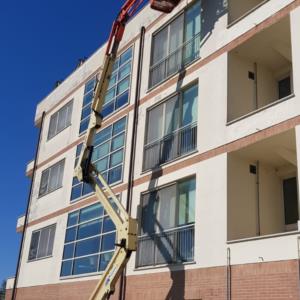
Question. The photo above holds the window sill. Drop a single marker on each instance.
(246, 14)
(80, 276)
(39, 259)
(260, 109)
(156, 169)
(182, 71)
(171, 267)
(263, 237)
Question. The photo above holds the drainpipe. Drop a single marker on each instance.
(37, 150)
(228, 297)
(133, 146)
(255, 86)
(258, 231)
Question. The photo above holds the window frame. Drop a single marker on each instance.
(69, 105)
(157, 31)
(62, 162)
(39, 239)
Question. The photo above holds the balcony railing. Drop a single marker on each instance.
(168, 247)
(174, 145)
(175, 61)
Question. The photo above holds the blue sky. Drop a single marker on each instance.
(40, 43)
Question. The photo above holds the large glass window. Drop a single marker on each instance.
(171, 128)
(167, 224)
(41, 244)
(60, 120)
(117, 93)
(89, 241)
(108, 156)
(52, 178)
(176, 45)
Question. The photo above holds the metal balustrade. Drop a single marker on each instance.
(171, 246)
(175, 61)
(174, 145)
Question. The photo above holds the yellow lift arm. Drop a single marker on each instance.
(85, 171)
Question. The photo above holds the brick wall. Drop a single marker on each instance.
(260, 281)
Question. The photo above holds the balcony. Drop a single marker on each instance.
(175, 61)
(260, 71)
(262, 188)
(237, 9)
(169, 247)
(170, 147)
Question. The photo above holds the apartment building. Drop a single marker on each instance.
(214, 90)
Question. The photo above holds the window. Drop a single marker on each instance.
(167, 224)
(171, 128)
(284, 87)
(290, 195)
(60, 120)
(52, 178)
(41, 244)
(176, 45)
(108, 156)
(118, 90)
(89, 241)
(86, 105)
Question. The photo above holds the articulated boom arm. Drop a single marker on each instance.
(85, 171)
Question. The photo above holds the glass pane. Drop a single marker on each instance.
(176, 34)
(116, 158)
(52, 126)
(149, 211)
(86, 265)
(70, 234)
(51, 240)
(76, 192)
(108, 225)
(90, 85)
(91, 212)
(116, 65)
(172, 115)
(102, 136)
(160, 46)
(155, 124)
(102, 164)
(186, 212)
(126, 56)
(62, 118)
(86, 112)
(43, 244)
(60, 173)
(104, 260)
(124, 71)
(192, 21)
(73, 218)
(78, 149)
(119, 126)
(108, 109)
(87, 189)
(66, 268)
(86, 247)
(109, 95)
(89, 229)
(69, 251)
(115, 175)
(123, 86)
(84, 125)
(34, 245)
(167, 206)
(113, 80)
(122, 100)
(69, 114)
(189, 109)
(101, 151)
(88, 98)
(44, 182)
(108, 241)
(118, 141)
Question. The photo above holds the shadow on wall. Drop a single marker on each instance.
(212, 11)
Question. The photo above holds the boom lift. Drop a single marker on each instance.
(85, 171)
